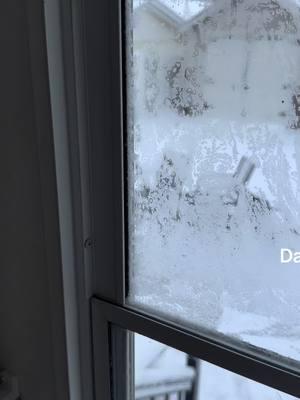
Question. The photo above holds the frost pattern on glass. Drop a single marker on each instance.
(213, 155)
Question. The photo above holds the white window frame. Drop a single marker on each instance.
(94, 78)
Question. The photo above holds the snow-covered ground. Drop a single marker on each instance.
(217, 383)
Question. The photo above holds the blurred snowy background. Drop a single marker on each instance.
(162, 371)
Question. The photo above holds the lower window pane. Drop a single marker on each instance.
(164, 373)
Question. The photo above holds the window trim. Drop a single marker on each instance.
(65, 43)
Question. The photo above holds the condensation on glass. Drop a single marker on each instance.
(164, 373)
(213, 166)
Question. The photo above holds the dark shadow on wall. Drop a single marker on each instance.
(32, 333)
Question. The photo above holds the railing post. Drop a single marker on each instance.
(195, 363)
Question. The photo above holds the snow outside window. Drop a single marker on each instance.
(162, 371)
(213, 166)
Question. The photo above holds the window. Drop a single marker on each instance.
(212, 91)
(192, 114)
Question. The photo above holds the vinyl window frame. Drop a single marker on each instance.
(94, 51)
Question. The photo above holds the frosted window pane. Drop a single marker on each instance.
(213, 166)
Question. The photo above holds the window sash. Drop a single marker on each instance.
(258, 368)
(104, 85)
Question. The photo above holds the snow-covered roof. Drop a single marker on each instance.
(177, 14)
(182, 14)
